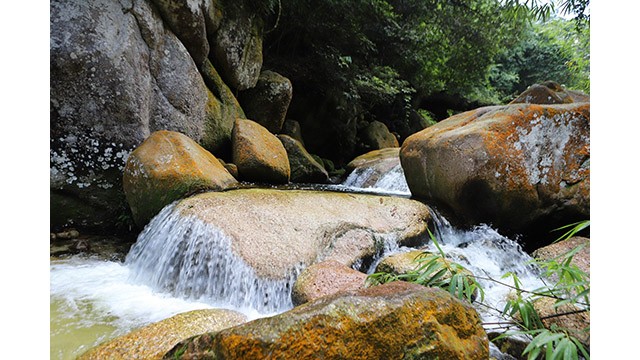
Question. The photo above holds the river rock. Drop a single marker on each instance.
(325, 278)
(166, 167)
(268, 101)
(559, 250)
(522, 168)
(154, 340)
(281, 229)
(376, 136)
(258, 154)
(292, 128)
(237, 46)
(549, 92)
(304, 168)
(117, 75)
(383, 322)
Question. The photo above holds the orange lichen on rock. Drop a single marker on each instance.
(506, 165)
(168, 166)
(392, 321)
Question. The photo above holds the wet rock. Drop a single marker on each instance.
(304, 168)
(368, 169)
(154, 340)
(258, 154)
(383, 322)
(166, 167)
(326, 278)
(281, 229)
(522, 168)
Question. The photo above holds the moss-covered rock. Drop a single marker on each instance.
(376, 136)
(166, 167)
(392, 321)
(304, 167)
(154, 340)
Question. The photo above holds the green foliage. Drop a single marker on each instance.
(570, 286)
(554, 50)
(434, 270)
(384, 55)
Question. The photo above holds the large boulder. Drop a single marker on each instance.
(522, 168)
(189, 21)
(268, 101)
(117, 75)
(304, 168)
(280, 229)
(166, 167)
(326, 278)
(258, 154)
(237, 46)
(154, 340)
(393, 321)
(247, 246)
(376, 136)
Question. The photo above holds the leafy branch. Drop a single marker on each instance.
(570, 289)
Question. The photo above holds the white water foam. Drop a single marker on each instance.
(392, 182)
(191, 259)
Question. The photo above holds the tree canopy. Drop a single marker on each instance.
(353, 62)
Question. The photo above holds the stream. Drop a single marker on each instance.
(94, 299)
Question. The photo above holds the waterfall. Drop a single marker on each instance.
(391, 182)
(482, 249)
(488, 255)
(194, 260)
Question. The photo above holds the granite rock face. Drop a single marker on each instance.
(383, 322)
(518, 167)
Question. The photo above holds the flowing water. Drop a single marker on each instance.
(93, 300)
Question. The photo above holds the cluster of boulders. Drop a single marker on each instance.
(121, 71)
(157, 101)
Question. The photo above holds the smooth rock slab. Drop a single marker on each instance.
(275, 231)
(392, 321)
(154, 340)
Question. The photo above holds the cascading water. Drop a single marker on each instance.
(190, 259)
(180, 263)
(391, 182)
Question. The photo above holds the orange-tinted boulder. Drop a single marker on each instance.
(154, 340)
(518, 167)
(397, 320)
(166, 167)
(258, 154)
